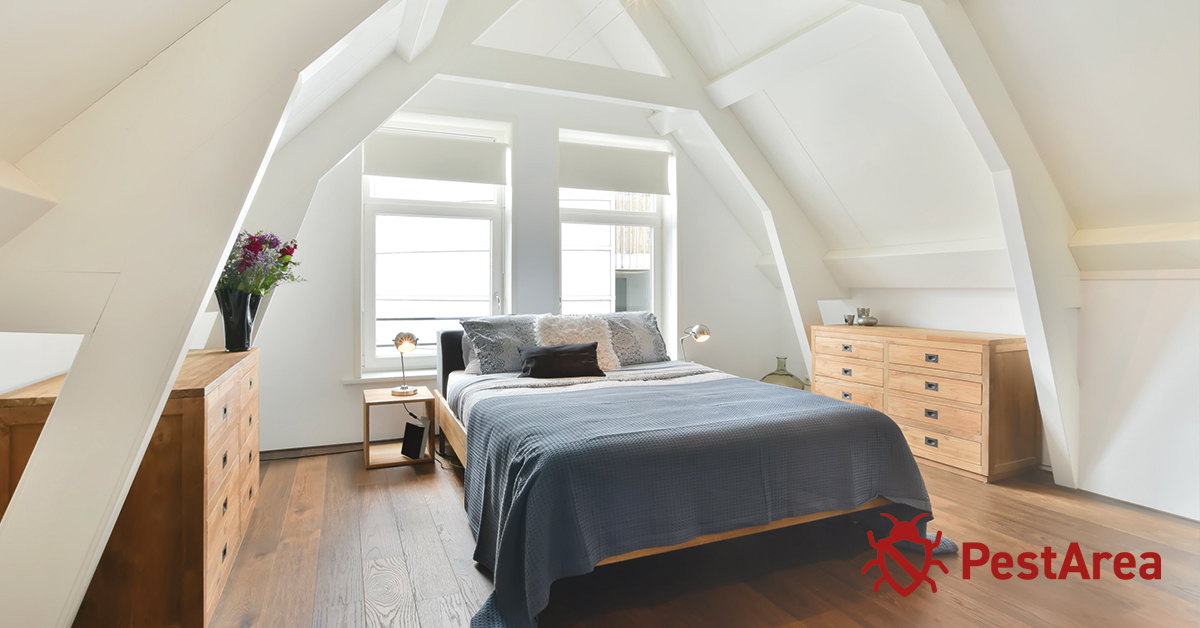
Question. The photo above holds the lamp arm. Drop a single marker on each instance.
(403, 372)
(682, 352)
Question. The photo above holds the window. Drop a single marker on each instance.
(610, 251)
(432, 255)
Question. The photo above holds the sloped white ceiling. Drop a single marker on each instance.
(60, 56)
(867, 141)
(598, 32)
(723, 34)
(1110, 94)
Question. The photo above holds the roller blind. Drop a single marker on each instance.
(444, 158)
(596, 167)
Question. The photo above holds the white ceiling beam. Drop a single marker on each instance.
(837, 33)
(1036, 225)
(715, 136)
(1174, 246)
(420, 24)
(981, 263)
(23, 201)
(151, 265)
(493, 66)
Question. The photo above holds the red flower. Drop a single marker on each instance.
(254, 245)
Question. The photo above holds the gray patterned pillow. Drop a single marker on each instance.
(497, 341)
(635, 338)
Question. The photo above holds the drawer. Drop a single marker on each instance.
(248, 421)
(221, 412)
(850, 371)
(222, 464)
(862, 395)
(934, 387)
(936, 358)
(248, 456)
(957, 452)
(248, 495)
(849, 348)
(218, 561)
(935, 415)
(248, 385)
(225, 511)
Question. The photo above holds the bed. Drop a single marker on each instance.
(564, 475)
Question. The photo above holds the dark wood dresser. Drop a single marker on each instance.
(183, 521)
(965, 401)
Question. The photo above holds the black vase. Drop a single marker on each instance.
(238, 310)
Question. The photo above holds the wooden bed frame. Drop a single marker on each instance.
(456, 434)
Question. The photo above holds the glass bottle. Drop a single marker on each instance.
(782, 377)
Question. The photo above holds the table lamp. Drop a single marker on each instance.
(699, 333)
(405, 342)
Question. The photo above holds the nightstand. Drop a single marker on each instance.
(388, 454)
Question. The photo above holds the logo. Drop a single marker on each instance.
(904, 531)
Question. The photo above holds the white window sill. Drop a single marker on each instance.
(379, 377)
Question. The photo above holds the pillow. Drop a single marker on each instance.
(498, 339)
(560, 361)
(470, 361)
(553, 329)
(635, 338)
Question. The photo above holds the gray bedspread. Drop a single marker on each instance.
(564, 473)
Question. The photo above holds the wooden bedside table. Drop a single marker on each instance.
(388, 454)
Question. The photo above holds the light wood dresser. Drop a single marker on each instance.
(187, 509)
(965, 401)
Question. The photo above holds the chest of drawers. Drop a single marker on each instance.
(182, 522)
(965, 401)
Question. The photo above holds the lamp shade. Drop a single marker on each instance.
(699, 333)
(405, 342)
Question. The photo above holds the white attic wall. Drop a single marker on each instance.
(134, 244)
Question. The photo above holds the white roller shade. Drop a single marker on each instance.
(595, 167)
(414, 156)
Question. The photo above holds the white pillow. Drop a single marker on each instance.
(553, 329)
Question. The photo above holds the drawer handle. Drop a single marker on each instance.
(930, 414)
(848, 348)
(224, 551)
(250, 421)
(224, 412)
(225, 505)
(931, 386)
(224, 459)
(847, 396)
(931, 358)
(249, 456)
(251, 492)
(251, 386)
(930, 442)
(847, 372)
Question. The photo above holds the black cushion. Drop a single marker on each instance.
(560, 361)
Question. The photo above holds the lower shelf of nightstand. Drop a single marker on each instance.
(389, 455)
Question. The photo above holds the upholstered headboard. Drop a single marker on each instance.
(450, 357)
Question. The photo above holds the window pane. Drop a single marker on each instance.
(573, 198)
(428, 190)
(429, 272)
(607, 268)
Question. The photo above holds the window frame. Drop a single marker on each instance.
(372, 208)
(613, 217)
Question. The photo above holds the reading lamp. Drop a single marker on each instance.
(699, 333)
(405, 342)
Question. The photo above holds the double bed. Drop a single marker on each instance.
(563, 475)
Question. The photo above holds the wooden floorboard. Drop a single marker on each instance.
(333, 545)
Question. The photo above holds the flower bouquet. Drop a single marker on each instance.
(257, 263)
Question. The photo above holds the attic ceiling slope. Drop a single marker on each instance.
(1108, 90)
(218, 92)
(60, 56)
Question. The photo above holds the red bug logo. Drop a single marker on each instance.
(904, 531)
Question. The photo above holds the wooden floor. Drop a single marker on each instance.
(332, 544)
